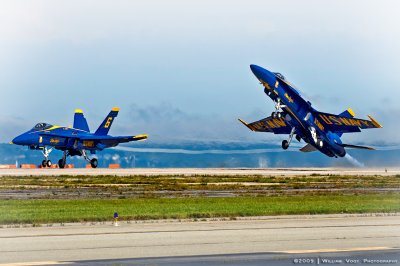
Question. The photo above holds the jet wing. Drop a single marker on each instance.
(113, 140)
(107, 140)
(342, 124)
(269, 124)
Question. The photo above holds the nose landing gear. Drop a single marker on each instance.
(46, 152)
(278, 106)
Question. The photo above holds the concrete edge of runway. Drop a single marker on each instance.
(214, 219)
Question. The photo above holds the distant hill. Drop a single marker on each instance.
(210, 154)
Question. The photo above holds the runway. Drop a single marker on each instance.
(279, 239)
(201, 171)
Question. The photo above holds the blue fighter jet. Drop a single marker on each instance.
(76, 140)
(295, 116)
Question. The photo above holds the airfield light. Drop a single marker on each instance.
(116, 219)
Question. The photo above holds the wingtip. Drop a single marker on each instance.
(141, 137)
(247, 125)
(243, 122)
(115, 109)
(78, 111)
(11, 142)
(376, 123)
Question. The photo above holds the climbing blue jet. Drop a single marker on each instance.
(76, 140)
(295, 116)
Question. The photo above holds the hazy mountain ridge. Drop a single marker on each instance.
(209, 154)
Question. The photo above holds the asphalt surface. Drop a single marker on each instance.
(200, 171)
(249, 241)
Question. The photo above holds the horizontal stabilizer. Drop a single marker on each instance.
(356, 147)
(308, 148)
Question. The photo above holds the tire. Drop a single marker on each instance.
(48, 163)
(285, 144)
(61, 163)
(44, 163)
(94, 163)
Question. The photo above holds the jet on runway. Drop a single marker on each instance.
(295, 116)
(76, 140)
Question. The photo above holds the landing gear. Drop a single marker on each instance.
(278, 106)
(286, 143)
(93, 162)
(277, 115)
(63, 160)
(46, 152)
(61, 163)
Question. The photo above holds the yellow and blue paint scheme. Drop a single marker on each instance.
(74, 139)
(306, 122)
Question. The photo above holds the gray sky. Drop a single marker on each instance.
(184, 65)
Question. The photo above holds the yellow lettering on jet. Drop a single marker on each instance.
(276, 84)
(88, 143)
(289, 98)
(326, 119)
(319, 125)
(271, 124)
(55, 141)
(108, 123)
(355, 122)
(335, 120)
(279, 122)
(345, 121)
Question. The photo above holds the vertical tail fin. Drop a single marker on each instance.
(106, 125)
(80, 121)
(349, 113)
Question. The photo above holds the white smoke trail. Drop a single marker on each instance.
(353, 161)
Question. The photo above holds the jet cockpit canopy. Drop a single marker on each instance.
(279, 75)
(42, 126)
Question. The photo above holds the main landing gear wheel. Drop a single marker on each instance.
(44, 163)
(94, 162)
(285, 144)
(61, 163)
(48, 163)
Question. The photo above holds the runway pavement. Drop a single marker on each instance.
(248, 241)
(201, 171)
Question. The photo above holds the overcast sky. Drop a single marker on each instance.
(180, 69)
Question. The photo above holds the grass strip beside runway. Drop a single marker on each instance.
(79, 210)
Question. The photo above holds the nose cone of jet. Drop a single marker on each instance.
(20, 140)
(256, 70)
(263, 74)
